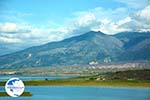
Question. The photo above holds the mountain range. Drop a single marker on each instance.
(89, 48)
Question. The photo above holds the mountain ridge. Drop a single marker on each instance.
(81, 50)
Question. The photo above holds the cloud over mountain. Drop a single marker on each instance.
(16, 27)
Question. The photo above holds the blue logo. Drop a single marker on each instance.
(14, 87)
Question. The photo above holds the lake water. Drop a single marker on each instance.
(25, 78)
(83, 93)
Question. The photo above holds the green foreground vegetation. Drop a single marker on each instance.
(25, 94)
(76, 82)
(79, 82)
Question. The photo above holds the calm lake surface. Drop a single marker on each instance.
(26, 78)
(83, 93)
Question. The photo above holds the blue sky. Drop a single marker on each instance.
(26, 23)
(41, 11)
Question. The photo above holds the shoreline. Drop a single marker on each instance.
(79, 82)
(130, 78)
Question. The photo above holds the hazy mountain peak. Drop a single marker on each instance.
(95, 33)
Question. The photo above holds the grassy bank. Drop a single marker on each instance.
(74, 82)
(80, 82)
(25, 94)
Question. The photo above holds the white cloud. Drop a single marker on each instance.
(113, 27)
(28, 35)
(140, 20)
(9, 40)
(86, 19)
(126, 20)
(8, 27)
(105, 21)
(119, 20)
(145, 13)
